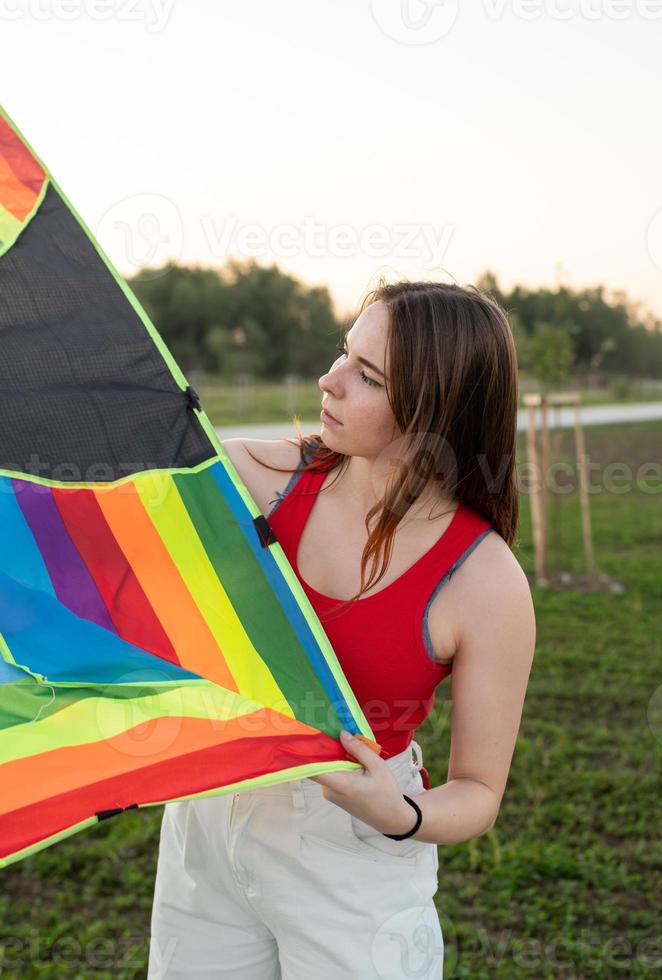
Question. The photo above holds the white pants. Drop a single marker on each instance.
(278, 883)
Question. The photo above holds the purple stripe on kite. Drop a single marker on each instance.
(73, 584)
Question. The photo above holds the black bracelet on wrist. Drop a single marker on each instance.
(415, 827)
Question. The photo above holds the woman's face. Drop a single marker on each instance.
(354, 393)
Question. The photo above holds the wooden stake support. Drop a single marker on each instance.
(539, 488)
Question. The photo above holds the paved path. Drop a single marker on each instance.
(590, 414)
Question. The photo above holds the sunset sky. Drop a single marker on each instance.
(345, 139)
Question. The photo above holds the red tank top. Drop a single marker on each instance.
(380, 641)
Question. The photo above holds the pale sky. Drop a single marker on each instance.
(344, 139)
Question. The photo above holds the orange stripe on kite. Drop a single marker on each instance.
(163, 585)
(25, 167)
(37, 777)
(21, 177)
(16, 197)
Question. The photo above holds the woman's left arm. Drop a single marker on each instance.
(489, 678)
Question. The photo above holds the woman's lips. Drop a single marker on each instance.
(327, 417)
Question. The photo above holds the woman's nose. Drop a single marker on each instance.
(333, 379)
(328, 382)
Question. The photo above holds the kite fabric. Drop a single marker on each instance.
(155, 643)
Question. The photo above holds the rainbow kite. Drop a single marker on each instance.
(155, 643)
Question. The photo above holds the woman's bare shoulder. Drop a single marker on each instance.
(255, 473)
(491, 568)
(272, 452)
(498, 578)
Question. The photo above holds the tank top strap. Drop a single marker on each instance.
(466, 529)
(290, 512)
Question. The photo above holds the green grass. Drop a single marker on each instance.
(254, 403)
(568, 882)
(621, 390)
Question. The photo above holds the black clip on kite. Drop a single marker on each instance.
(193, 398)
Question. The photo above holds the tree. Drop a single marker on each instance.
(245, 319)
(551, 353)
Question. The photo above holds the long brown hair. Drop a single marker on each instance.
(453, 392)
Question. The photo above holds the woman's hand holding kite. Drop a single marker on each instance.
(372, 795)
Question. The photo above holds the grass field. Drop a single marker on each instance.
(568, 882)
(254, 403)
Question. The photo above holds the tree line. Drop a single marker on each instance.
(249, 319)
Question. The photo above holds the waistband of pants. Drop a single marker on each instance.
(402, 765)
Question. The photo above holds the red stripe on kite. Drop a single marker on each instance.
(238, 759)
(124, 598)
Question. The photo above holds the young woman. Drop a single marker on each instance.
(413, 471)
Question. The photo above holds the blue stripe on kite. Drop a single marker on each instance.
(49, 639)
(284, 594)
(19, 556)
(9, 673)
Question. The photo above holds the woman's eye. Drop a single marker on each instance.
(374, 384)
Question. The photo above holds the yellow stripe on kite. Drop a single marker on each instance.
(161, 582)
(167, 511)
(91, 719)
